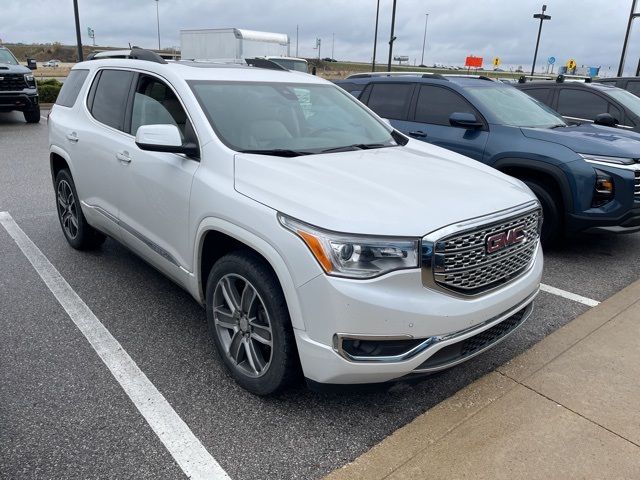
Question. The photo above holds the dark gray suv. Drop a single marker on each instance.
(18, 89)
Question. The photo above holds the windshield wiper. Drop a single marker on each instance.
(559, 125)
(356, 146)
(278, 152)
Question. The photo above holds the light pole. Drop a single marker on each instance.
(297, 32)
(78, 37)
(391, 37)
(158, 20)
(375, 39)
(542, 16)
(424, 40)
(333, 41)
(632, 15)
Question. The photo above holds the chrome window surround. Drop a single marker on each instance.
(432, 344)
(432, 260)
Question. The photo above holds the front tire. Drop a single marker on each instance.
(77, 231)
(32, 116)
(249, 323)
(552, 226)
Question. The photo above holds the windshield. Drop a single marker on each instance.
(512, 107)
(6, 57)
(291, 64)
(299, 118)
(627, 99)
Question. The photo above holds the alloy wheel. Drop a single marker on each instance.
(243, 325)
(67, 209)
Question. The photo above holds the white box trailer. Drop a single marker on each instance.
(231, 44)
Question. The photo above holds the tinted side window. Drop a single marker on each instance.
(581, 104)
(435, 105)
(71, 88)
(155, 103)
(540, 94)
(634, 87)
(110, 97)
(391, 100)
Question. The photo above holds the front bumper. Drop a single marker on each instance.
(627, 223)
(398, 306)
(11, 101)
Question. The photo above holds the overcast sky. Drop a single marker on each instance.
(591, 31)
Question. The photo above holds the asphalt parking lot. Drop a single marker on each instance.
(63, 414)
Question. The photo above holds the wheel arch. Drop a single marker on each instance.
(535, 170)
(217, 237)
(58, 160)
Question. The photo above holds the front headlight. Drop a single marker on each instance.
(355, 256)
(29, 78)
(606, 159)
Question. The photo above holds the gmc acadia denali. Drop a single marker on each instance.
(319, 239)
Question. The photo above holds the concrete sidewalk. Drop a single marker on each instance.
(567, 408)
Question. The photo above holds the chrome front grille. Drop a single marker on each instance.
(461, 262)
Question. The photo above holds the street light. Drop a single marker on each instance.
(158, 20)
(424, 40)
(632, 15)
(375, 39)
(78, 37)
(391, 37)
(542, 18)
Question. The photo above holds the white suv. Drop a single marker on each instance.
(319, 239)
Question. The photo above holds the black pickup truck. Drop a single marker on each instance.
(18, 90)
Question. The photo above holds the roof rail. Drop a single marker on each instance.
(148, 55)
(559, 79)
(574, 78)
(396, 74)
(463, 75)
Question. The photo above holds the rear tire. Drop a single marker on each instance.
(75, 228)
(552, 226)
(249, 323)
(32, 116)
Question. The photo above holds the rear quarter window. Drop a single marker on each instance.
(71, 88)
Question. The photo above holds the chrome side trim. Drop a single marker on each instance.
(434, 343)
(152, 245)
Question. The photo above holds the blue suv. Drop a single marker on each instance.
(587, 177)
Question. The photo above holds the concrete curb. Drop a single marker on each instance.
(397, 453)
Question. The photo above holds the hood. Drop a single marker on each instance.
(7, 68)
(592, 139)
(395, 191)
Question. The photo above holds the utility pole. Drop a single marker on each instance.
(391, 37)
(375, 39)
(632, 15)
(333, 41)
(297, 32)
(158, 20)
(542, 16)
(424, 40)
(78, 37)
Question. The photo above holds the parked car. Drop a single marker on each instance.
(581, 102)
(630, 84)
(587, 177)
(18, 89)
(52, 64)
(311, 231)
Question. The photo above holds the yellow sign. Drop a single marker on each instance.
(496, 62)
(571, 64)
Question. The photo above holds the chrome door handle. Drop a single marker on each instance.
(418, 133)
(123, 157)
(72, 137)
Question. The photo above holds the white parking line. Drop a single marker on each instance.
(194, 460)
(571, 296)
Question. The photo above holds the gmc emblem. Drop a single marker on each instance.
(501, 240)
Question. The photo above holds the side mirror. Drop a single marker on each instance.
(465, 120)
(606, 120)
(164, 138)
